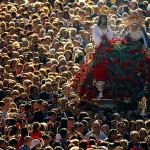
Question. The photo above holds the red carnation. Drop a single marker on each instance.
(90, 94)
(114, 78)
(124, 64)
(141, 64)
(148, 77)
(104, 36)
(143, 51)
(113, 40)
(122, 40)
(132, 51)
(104, 58)
(91, 57)
(148, 59)
(109, 49)
(115, 61)
(74, 86)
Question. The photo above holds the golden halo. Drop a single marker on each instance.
(134, 20)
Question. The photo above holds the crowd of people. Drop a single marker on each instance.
(43, 43)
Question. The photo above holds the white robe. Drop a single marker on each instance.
(97, 33)
(136, 35)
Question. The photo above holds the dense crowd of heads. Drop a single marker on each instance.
(43, 43)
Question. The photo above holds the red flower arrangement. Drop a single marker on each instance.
(100, 71)
(122, 63)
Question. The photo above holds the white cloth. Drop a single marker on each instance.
(58, 137)
(35, 142)
(101, 135)
(97, 33)
(135, 35)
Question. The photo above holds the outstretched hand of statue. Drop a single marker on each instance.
(104, 39)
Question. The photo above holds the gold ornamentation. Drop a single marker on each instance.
(134, 20)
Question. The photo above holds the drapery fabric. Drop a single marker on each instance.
(97, 33)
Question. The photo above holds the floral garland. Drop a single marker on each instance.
(122, 63)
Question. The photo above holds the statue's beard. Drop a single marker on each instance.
(104, 24)
(134, 30)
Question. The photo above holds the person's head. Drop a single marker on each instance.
(79, 127)
(139, 124)
(134, 136)
(82, 116)
(124, 144)
(110, 146)
(132, 125)
(3, 143)
(22, 108)
(63, 123)
(102, 20)
(105, 129)
(36, 126)
(28, 107)
(3, 25)
(46, 138)
(48, 148)
(68, 55)
(35, 144)
(62, 61)
(73, 32)
(28, 140)
(58, 148)
(35, 39)
(54, 85)
(48, 87)
(44, 106)
(34, 105)
(41, 50)
(80, 59)
(113, 134)
(134, 4)
(143, 133)
(24, 96)
(35, 79)
(86, 36)
(134, 27)
(70, 122)
(95, 127)
(60, 14)
(113, 9)
(66, 90)
(24, 132)
(102, 144)
(52, 116)
(83, 144)
(121, 127)
(63, 132)
(76, 23)
(34, 89)
(139, 12)
(66, 34)
(147, 124)
(13, 142)
(144, 146)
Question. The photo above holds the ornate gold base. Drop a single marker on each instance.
(105, 103)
